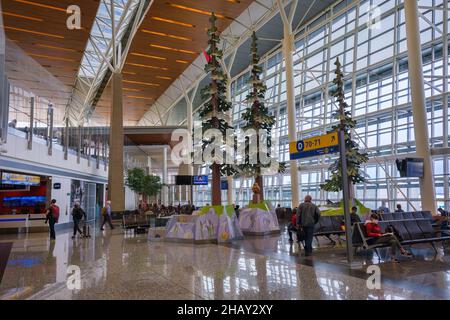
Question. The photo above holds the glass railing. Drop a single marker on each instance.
(90, 143)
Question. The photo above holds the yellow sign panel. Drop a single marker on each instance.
(314, 146)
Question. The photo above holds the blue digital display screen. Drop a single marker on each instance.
(200, 180)
(23, 201)
(414, 168)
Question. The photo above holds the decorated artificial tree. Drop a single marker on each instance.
(257, 117)
(213, 112)
(355, 157)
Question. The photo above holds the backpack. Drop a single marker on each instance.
(78, 213)
(103, 211)
(55, 212)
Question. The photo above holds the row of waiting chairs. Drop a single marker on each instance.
(332, 225)
(135, 221)
(413, 231)
(406, 216)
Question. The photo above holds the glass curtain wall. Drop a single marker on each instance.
(375, 65)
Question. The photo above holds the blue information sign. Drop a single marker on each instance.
(200, 180)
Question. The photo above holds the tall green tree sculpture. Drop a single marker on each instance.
(355, 157)
(257, 117)
(213, 112)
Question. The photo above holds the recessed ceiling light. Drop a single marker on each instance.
(167, 35)
(171, 49)
(50, 57)
(132, 90)
(146, 66)
(143, 83)
(55, 47)
(148, 56)
(140, 97)
(182, 61)
(34, 32)
(165, 78)
(41, 5)
(173, 22)
(22, 16)
(128, 72)
(208, 13)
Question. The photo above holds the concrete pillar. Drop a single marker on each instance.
(288, 43)
(165, 188)
(116, 191)
(416, 80)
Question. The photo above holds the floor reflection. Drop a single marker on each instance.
(118, 266)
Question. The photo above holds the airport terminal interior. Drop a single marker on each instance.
(224, 150)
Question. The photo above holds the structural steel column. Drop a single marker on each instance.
(165, 189)
(30, 134)
(116, 191)
(416, 80)
(288, 42)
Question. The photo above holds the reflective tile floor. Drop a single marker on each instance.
(118, 266)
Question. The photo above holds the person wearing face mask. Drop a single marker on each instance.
(373, 230)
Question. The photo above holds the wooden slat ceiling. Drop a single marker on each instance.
(150, 66)
(37, 28)
(148, 63)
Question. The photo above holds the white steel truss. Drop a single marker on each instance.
(111, 35)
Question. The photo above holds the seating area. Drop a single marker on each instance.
(407, 216)
(328, 226)
(137, 222)
(412, 231)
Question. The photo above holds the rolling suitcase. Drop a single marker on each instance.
(86, 231)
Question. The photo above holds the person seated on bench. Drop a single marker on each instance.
(292, 227)
(354, 217)
(373, 230)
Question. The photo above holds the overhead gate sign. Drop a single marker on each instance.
(315, 146)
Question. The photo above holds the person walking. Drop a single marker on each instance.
(77, 214)
(106, 213)
(308, 215)
(52, 216)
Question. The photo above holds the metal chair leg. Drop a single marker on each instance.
(317, 240)
(434, 247)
